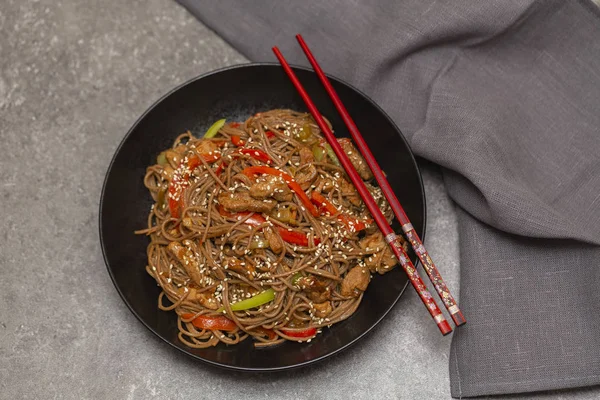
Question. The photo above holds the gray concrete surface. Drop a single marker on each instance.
(74, 76)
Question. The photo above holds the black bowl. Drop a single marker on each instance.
(236, 93)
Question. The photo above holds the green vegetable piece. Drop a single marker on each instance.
(253, 302)
(304, 134)
(318, 152)
(332, 156)
(296, 278)
(259, 244)
(161, 199)
(161, 159)
(214, 129)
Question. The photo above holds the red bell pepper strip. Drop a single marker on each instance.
(300, 333)
(218, 323)
(220, 168)
(174, 204)
(295, 237)
(324, 204)
(235, 124)
(251, 171)
(194, 159)
(181, 179)
(237, 141)
(353, 224)
(292, 237)
(219, 142)
(254, 220)
(269, 135)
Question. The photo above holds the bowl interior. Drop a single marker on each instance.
(236, 93)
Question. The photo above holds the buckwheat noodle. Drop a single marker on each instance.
(207, 254)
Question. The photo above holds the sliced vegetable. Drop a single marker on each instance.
(237, 141)
(323, 203)
(161, 202)
(296, 278)
(214, 129)
(174, 204)
(285, 215)
(269, 135)
(235, 124)
(353, 224)
(292, 237)
(258, 244)
(300, 333)
(295, 237)
(254, 220)
(194, 159)
(319, 152)
(218, 323)
(251, 171)
(304, 134)
(253, 302)
(220, 168)
(219, 142)
(161, 159)
(331, 155)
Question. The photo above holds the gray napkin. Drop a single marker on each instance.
(504, 96)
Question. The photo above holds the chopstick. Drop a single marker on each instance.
(390, 237)
(410, 232)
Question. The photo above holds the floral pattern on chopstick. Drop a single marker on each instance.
(436, 279)
(416, 279)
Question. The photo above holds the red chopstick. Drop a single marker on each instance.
(409, 230)
(383, 225)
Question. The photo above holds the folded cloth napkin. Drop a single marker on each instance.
(504, 97)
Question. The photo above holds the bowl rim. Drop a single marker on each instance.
(149, 110)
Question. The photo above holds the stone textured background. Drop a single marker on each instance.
(74, 76)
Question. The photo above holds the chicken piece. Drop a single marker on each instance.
(322, 310)
(204, 298)
(373, 243)
(317, 290)
(324, 184)
(275, 242)
(349, 192)
(236, 265)
(306, 175)
(306, 155)
(242, 201)
(319, 295)
(206, 147)
(381, 262)
(188, 260)
(382, 259)
(207, 300)
(271, 186)
(173, 158)
(168, 173)
(358, 162)
(181, 148)
(355, 282)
